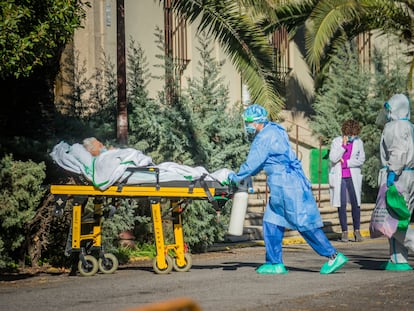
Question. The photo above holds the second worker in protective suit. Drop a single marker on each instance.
(291, 203)
(397, 159)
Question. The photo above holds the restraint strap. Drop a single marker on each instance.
(210, 197)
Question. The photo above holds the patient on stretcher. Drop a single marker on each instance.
(94, 146)
(105, 167)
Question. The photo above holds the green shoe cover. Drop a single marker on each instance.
(334, 265)
(390, 266)
(268, 268)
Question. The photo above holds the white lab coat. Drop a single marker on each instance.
(335, 172)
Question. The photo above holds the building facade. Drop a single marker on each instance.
(143, 19)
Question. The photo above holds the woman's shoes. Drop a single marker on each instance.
(357, 236)
(344, 237)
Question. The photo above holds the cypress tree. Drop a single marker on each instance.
(350, 92)
(217, 141)
(217, 130)
(343, 96)
(20, 196)
(388, 80)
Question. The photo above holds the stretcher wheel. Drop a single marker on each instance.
(109, 264)
(168, 269)
(186, 266)
(91, 268)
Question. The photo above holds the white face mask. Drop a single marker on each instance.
(351, 139)
(251, 131)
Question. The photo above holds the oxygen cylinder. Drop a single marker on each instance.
(238, 212)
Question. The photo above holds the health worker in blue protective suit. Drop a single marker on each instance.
(397, 159)
(291, 203)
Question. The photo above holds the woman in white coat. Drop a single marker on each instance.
(345, 179)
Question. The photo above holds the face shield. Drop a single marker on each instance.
(253, 115)
(387, 109)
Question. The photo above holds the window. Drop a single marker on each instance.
(280, 43)
(364, 48)
(175, 29)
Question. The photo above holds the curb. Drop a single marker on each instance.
(286, 241)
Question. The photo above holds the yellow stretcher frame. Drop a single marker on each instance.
(163, 263)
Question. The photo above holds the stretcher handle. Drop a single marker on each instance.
(146, 169)
(210, 197)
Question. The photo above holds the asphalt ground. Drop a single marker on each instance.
(225, 279)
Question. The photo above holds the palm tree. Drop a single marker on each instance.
(234, 24)
(330, 23)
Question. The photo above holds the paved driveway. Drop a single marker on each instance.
(226, 280)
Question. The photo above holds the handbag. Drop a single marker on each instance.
(382, 222)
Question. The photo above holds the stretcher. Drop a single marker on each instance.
(86, 233)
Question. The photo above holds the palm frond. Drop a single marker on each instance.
(327, 18)
(392, 17)
(339, 40)
(258, 8)
(290, 15)
(243, 41)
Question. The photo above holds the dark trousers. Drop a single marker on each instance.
(348, 187)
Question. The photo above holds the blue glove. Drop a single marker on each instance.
(390, 178)
(233, 179)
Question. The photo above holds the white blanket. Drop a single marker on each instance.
(111, 166)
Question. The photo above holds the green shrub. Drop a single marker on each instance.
(20, 196)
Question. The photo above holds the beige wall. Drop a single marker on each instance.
(89, 40)
(141, 20)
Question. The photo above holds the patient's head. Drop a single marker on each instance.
(94, 146)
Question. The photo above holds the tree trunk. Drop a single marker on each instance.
(38, 230)
(122, 117)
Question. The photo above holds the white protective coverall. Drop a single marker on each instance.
(397, 155)
(335, 172)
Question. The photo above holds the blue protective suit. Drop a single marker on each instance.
(291, 203)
